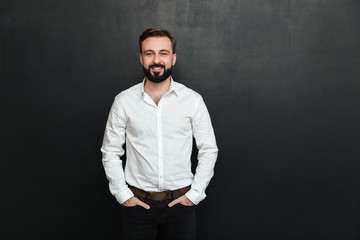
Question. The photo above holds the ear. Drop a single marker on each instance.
(140, 57)
(174, 59)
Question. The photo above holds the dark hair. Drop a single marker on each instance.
(156, 33)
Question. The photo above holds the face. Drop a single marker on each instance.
(157, 58)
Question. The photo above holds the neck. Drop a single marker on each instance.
(157, 88)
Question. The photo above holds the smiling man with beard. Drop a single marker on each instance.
(157, 119)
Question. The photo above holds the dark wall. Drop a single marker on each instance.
(280, 79)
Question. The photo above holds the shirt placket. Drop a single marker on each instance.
(160, 146)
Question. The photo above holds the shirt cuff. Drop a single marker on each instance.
(124, 195)
(194, 196)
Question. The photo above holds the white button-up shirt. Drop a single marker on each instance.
(158, 142)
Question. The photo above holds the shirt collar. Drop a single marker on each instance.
(171, 89)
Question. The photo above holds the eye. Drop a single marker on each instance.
(148, 54)
(164, 54)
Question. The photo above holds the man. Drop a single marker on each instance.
(157, 119)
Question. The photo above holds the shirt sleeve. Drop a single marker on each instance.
(112, 150)
(205, 141)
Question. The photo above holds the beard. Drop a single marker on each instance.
(157, 77)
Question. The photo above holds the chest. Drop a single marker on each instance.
(170, 118)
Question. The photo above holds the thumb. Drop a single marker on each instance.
(142, 204)
(172, 203)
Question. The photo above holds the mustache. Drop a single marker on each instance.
(156, 65)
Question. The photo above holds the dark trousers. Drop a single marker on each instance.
(160, 222)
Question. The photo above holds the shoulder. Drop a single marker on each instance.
(186, 92)
(130, 93)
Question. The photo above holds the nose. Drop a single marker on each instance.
(157, 59)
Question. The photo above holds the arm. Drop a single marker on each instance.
(206, 144)
(112, 150)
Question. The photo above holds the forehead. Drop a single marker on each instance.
(156, 44)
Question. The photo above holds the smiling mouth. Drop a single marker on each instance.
(157, 68)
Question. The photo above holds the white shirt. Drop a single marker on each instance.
(158, 142)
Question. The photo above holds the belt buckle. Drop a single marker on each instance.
(158, 196)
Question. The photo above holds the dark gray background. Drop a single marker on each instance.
(280, 79)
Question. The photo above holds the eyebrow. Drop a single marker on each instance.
(162, 50)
